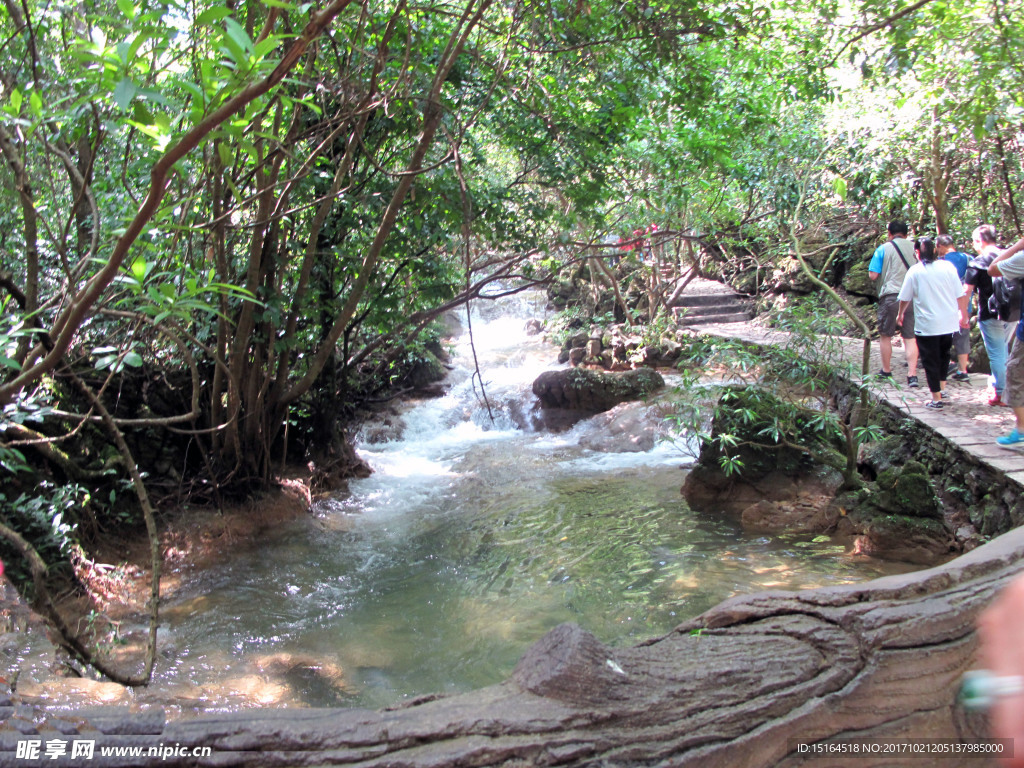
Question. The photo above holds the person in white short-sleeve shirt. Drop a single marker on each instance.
(940, 310)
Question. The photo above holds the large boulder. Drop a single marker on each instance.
(571, 394)
(899, 516)
(795, 485)
(582, 389)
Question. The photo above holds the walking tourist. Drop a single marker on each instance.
(995, 333)
(940, 309)
(1010, 264)
(890, 262)
(946, 249)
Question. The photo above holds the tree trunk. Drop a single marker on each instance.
(745, 684)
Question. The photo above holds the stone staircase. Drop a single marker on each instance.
(705, 302)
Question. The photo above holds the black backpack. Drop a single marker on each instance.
(1005, 299)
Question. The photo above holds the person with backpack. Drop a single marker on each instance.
(996, 333)
(940, 308)
(1010, 265)
(891, 262)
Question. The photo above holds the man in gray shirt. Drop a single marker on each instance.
(1010, 264)
(890, 261)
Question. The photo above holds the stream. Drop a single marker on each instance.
(472, 538)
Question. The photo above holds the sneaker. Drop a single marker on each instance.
(1013, 438)
(945, 394)
(952, 369)
(936, 405)
(912, 381)
(995, 399)
(960, 376)
(884, 374)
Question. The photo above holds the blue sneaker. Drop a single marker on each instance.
(1014, 438)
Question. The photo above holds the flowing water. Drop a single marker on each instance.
(472, 538)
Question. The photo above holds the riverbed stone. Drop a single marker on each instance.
(569, 395)
(633, 427)
(586, 390)
(905, 538)
(907, 491)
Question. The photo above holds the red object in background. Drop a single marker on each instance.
(1, 568)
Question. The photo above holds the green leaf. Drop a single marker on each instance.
(141, 113)
(133, 359)
(237, 40)
(194, 90)
(127, 8)
(9, 363)
(124, 92)
(265, 46)
(139, 269)
(213, 15)
(133, 49)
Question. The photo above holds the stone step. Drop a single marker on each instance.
(705, 299)
(708, 301)
(728, 316)
(718, 306)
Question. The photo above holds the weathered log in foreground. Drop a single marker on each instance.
(741, 685)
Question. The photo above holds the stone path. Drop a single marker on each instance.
(966, 420)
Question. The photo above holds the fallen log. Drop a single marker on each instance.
(755, 681)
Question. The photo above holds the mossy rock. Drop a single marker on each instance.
(426, 369)
(746, 414)
(990, 515)
(911, 539)
(857, 281)
(562, 293)
(882, 455)
(582, 389)
(907, 490)
(575, 340)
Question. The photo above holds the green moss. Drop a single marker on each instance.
(896, 527)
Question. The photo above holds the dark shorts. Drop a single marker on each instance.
(888, 308)
(962, 341)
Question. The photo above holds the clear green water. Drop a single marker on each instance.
(445, 593)
(470, 541)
